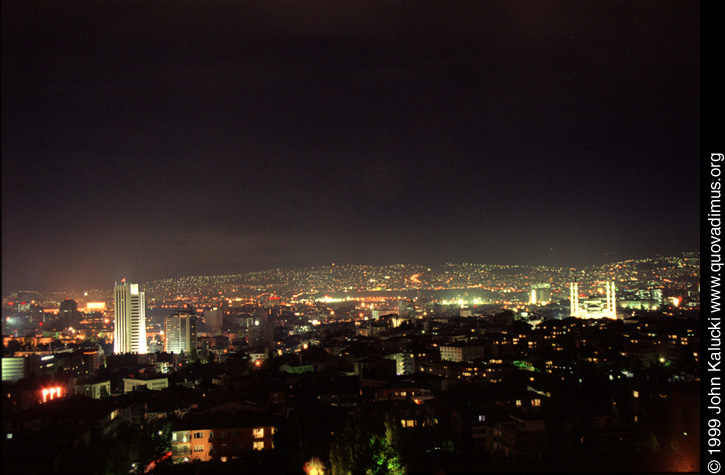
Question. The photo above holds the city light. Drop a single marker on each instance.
(314, 466)
(510, 190)
(455, 358)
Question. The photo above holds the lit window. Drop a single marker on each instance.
(536, 402)
(198, 435)
(258, 445)
(258, 433)
(198, 448)
(518, 402)
(635, 394)
(481, 418)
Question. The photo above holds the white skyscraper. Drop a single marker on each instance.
(129, 332)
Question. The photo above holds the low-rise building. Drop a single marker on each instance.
(13, 369)
(93, 390)
(222, 434)
(461, 352)
(528, 437)
(403, 363)
(131, 384)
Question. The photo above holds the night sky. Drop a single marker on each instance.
(162, 139)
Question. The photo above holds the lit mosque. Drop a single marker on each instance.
(593, 307)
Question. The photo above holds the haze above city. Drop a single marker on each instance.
(160, 140)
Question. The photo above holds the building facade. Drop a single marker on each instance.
(461, 352)
(213, 319)
(403, 363)
(222, 434)
(540, 294)
(13, 368)
(260, 335)
(180, 332)
(92, 390)
(132, 384)
(129, 331)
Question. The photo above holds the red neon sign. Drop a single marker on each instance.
(51, 393)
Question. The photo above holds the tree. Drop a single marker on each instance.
(385, 449)
(362, 448)
(351, 449)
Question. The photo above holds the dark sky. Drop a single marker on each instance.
(160, 139)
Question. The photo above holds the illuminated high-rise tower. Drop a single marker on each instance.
(181, 333)
(129, 331)
(540, 294)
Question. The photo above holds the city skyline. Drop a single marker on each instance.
(250, 136)
(680, 274)
(329, 265)
(610, 380)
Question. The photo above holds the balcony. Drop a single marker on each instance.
(178, 451)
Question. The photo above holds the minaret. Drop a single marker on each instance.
(574, 299)
(611, 299)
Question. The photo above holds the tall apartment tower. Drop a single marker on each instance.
(260, 335)
(540, 294)
(181, 333)
(214, 319)
(129, 331)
